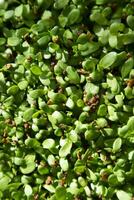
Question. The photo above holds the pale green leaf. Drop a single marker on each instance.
(48, 143)
(107, 60)
(65, 149)
(117, 145)
(28, 190)
(122, 195)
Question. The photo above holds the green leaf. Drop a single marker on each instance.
(8, 14)
(99, 18)
(28, 114)
(58, 116)
(82, 38)
(90, 134)
(128, 38)
(101, 122)
(13, 90)
(36, 93)
(14, 186)
(37, 114)
(79, 166)
(73, 136)
(117, 145)
(73, 16)
(23, 85)
(122, 195)
(91, 175)
(29, 165)
(32, 142)
(120, 175)
(60, 193)
(73, 189)
(2, 41)
(115, 27)
(56, 97)
(65, 149)
(130, 123)
(130, 21)
(112, 113)
(50, 188)
(48, 143)
(104, 37)
(102, 110)
(100, 2)
(62, 20)
(70, 103)
(52, 120)
(64, 164)
(112, 180)
(36, 70)
(113, 41)
(19, 10)
(91, 89)
(89, 64)
(82, 181)
(53, 47)
(42, 170)
(28, 190)
(128, 92)
(17, 195)
(22, 32)
(119, 99)
(44, 40)
(51, 160)
(72, 75)
(122, 131)
(59, 4)
(18, 161)
(2, 82)
(107, 60)
(13, 41)
(113, 84)
(126, 68)
(4, 181)
(88, 48)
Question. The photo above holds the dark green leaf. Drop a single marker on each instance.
(73, 16)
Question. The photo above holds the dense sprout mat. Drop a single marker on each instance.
(67, 99)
